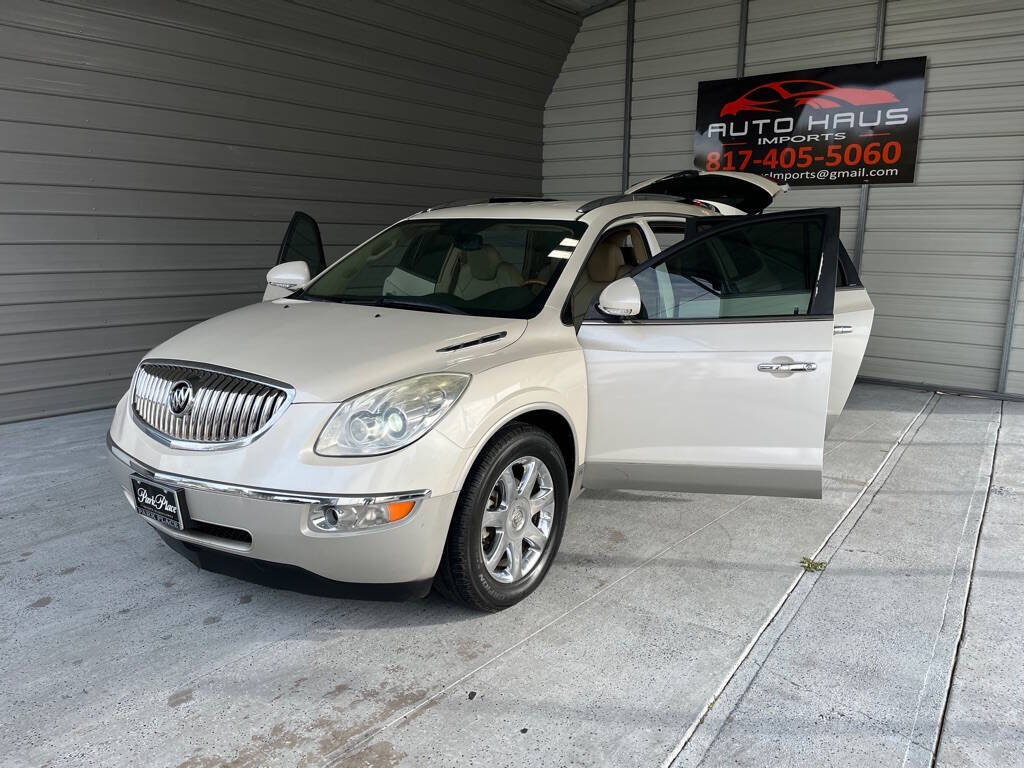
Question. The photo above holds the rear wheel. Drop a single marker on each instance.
(508, 523)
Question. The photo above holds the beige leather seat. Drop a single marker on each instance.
(483, 271)
(606, 265)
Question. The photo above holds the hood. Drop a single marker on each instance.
(748, 192)
(330, 352)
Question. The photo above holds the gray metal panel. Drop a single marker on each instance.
(939, 254)
(154, 151)
(678, 44)
(584, 113)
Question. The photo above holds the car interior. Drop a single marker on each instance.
(461, 265)
(473, 267)
(766, 270)
(481, 271)
(614, 256)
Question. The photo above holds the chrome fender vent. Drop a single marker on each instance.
(474, 342)
(203, 407)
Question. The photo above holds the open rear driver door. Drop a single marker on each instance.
(721, 383)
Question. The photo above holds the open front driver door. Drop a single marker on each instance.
(301, 242)
(721, 383)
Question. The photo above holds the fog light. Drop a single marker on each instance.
(343, 515)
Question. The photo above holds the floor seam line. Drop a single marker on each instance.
(967, 598)
(745, 654)
(912, 740)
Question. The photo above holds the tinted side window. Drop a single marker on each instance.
(846, 274)
(668, 234)
(762, 269)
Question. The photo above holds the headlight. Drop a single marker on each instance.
(389, 418)
(343, 515)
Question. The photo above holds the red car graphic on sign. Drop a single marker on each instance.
(784, 95)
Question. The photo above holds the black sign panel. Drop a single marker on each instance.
(851, 124)
(161, 503)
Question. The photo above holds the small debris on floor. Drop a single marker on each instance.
(812, 566)
(472, 695)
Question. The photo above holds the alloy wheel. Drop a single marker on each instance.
(518, 520)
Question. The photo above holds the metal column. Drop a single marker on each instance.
(1011, 310)
(865, 189)
(627, 111)
(741, 44)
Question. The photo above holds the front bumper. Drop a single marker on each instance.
(284, 576)
(404, 555)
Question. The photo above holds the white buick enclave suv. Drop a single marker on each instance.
(423, 411)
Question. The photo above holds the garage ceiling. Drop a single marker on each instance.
(583, 7)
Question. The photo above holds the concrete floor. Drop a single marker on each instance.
(674, 629)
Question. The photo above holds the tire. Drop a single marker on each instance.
(490, 494)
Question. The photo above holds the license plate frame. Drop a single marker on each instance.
(161, 503)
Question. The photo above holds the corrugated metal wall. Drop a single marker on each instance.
(583, 118)
(151, 153)
(677, 44)
(938, 254)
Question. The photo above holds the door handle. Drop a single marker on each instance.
(786, 367)
(839, 330)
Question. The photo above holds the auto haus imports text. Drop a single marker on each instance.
(784, 129)
(801, 141)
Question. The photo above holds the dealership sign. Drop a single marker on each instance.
(832, 125)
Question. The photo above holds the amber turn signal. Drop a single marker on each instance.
(399, 509)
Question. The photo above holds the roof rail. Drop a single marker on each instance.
(629, 197)
(486, 200)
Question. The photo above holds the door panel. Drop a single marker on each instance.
(302, 243)
(854, 315)
(684, 407)
(721, 384)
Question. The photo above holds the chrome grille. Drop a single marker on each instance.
(224, 407)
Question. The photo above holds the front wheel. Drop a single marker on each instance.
(508, 522)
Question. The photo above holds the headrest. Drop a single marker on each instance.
(483, 263)
(604, 263)
(618, 238)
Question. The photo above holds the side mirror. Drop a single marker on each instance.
(285, 278)
(621, 298)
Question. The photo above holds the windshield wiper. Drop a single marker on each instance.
(401, 302)
(408, 302)
(370, 301)
(309, 297)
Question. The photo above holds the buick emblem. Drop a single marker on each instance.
(179, 399)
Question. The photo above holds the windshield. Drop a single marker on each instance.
(488, 267)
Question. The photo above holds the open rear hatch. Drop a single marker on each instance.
(746, 192)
